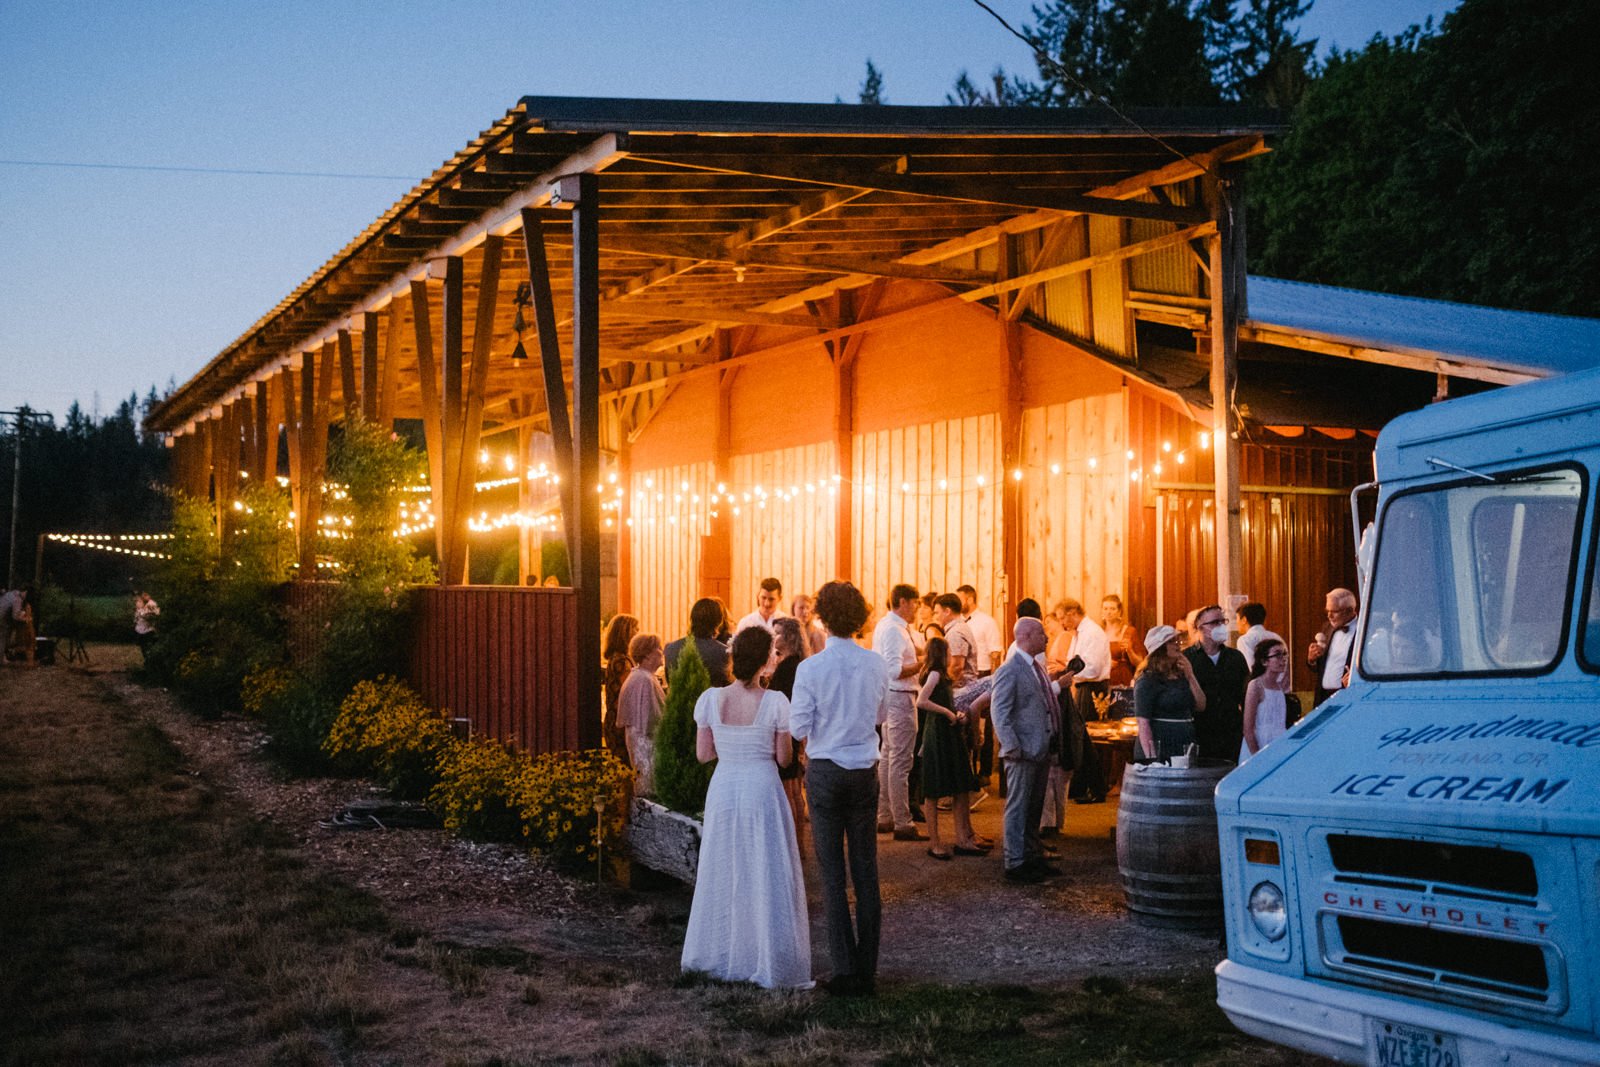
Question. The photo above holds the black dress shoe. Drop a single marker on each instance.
(1046, 869)
(1025, 874)
(847, 985)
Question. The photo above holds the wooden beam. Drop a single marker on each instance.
(390, 377)
(555, 387)
(482, 343)
(432, 417)
(730, 316)
(761, 256)
(453, 565)
(584, 192)
(1011, 406)
(347, 376)
(964, 190)
(1227, 255)
(307, 512)
(369, 366)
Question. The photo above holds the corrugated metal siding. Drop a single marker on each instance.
(671, 514)
(1172, 270)
(931, 537)
(501, 657)
(1074, 499)
(791, 537)
(1064, 303)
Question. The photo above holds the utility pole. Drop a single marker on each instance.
(22, 414)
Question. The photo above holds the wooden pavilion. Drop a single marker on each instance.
(925, 344)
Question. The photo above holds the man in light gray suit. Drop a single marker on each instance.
(1023, 710)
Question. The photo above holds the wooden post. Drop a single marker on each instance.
(432, 421)
(477, 381)
(716, 548)
(369, 366)
(583, 191)
(305, 492)
(555, 387)
(390, 379)
(1010, 590)
(347, 376)
(266, 435)
(453, 564)
(844, 426)
(1227, 255)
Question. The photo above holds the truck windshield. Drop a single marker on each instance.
(1473, 579)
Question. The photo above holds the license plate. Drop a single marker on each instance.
(1399, 1045)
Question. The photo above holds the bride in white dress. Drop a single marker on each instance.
(748, 920)
(1266, 710)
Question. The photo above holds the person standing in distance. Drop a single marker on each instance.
(1223, 676)
(1329, 653)
(891, 639)
(768, 597)
(840, 696)
(1023, 709)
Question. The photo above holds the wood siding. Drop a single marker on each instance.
(500, 657)
(1074, 499)
(791, 538)
(909, 528)
(671, 515)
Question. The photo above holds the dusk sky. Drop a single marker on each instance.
(113, 280)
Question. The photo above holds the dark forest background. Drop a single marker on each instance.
(1455, 161)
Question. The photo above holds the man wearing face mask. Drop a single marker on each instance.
(1223, 676)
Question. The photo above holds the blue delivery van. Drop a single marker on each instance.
(1412, 874)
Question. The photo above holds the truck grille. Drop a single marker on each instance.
(1459, 919)
(1471, 871)
(1463, 961)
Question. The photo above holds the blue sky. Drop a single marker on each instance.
(115, 280)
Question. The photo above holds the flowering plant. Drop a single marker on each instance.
(571, 803)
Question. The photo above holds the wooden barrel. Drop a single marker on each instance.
(1167, 843)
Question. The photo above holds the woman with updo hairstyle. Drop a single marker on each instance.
(615, 665)
(748, 920)
(639, 708)
(789, 648)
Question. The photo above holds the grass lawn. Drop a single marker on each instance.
(147, 917)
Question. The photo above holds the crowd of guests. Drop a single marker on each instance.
(815, 725)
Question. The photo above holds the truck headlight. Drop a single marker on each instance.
(1267, 911)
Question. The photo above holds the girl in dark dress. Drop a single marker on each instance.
(946, 770)
(789, 647)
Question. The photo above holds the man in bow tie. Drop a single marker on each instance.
(1329, 654)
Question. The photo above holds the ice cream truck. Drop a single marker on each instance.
(1411, 875)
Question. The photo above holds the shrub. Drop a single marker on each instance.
(573, 802)
(384, 726)
(264, 689)
(681, 779)
(476, 792)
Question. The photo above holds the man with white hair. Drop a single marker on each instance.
(1024, 712)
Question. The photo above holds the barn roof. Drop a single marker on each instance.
(718, 213)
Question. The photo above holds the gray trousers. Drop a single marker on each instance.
(844, 807)
(1026, 781)
(894, 759)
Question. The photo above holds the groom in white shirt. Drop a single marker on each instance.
(839, 701)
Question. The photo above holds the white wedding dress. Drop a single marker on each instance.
(748, 920)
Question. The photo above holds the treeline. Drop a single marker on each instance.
(84, 474)
(1453, 161)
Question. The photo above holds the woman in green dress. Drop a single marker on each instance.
(946, 768)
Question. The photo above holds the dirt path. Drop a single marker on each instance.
(170, 898)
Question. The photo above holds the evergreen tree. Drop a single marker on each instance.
(681, 779)
(872, 87)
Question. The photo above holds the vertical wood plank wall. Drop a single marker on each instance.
(670, 515)
(1074, 499)
(791, 538)
(931, 536)
(501, 657)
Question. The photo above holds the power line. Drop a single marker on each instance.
(205, 170)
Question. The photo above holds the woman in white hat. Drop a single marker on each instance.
(1166, 697)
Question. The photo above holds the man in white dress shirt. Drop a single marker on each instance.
(1087, 781)
(1253, 631)
(891, 639)
(985, 632)
(767, 610)
(839, 700)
